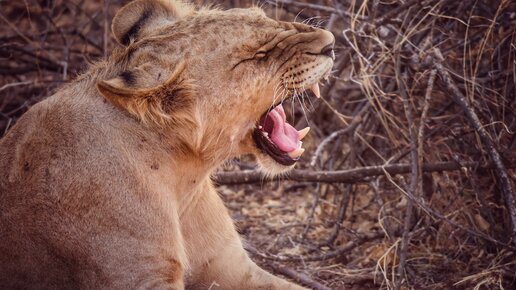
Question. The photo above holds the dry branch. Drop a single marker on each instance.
(414, 177)
(299, 277)
(343, 176)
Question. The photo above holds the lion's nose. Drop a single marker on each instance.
(328, 40)
(328, 51)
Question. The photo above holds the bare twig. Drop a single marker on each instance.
(415, 175)
(299, 277)
(421, 130)
(6, 86)
(15, 29)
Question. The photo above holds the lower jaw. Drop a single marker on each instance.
(283, 158)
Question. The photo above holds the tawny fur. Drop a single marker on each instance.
(106, 184)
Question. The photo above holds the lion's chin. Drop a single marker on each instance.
(271, 167)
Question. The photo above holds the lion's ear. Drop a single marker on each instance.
(138, 18)
(157, 105)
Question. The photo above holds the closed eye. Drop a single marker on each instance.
(260, 54)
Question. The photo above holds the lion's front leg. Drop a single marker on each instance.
(217, 257)
(233, 269)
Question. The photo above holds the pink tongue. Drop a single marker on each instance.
(283, 134)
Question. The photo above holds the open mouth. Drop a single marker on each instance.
(277, 138)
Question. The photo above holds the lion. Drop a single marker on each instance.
(107, 183)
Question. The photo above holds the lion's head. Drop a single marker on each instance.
(217, 79)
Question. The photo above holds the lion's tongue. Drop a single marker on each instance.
(286, 137)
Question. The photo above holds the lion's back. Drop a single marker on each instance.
(29, 205)
(67, 200)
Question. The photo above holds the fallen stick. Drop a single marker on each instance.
(343, 176)
(298, 277)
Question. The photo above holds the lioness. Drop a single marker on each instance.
(106, 184)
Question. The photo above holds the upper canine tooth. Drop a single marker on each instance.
(315, 89)
(303, 132)
(327, 75)
(296, 153)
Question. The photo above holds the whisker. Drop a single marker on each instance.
(312, 108)
(304, 113)
(297, 15)
(274, 97)
(292, 112)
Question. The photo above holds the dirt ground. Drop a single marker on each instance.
(408, 177)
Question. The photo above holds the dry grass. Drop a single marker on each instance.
(387, 103)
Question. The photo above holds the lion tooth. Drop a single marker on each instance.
(296, 153)
(315, 89)
(303, 132)
(327, 75)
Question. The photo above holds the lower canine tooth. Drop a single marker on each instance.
(302, 133)
(315, 89)
(296, 153)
